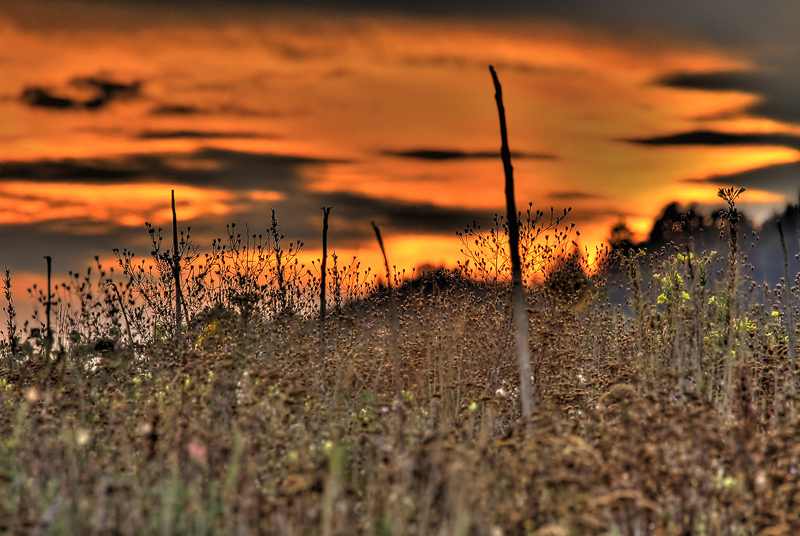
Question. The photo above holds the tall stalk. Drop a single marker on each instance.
(392, 317)
(788, 312)
(48, 338)
(176, 267)
(518, 290)
(323, 300)
(324, 266)
(394, 349)
(11, 313)
(729, 195)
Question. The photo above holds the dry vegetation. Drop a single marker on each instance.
(671, 414)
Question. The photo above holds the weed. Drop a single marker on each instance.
(670, 413)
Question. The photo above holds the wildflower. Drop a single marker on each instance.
(32, 395)
(197, 451)
(82, 436)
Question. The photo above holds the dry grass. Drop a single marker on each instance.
(652, 418)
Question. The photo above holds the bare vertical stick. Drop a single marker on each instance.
(324, 267)
(323, 300)
(176, 268)
(788, 312)
(392, 317)
(518, 290)
(48, 338)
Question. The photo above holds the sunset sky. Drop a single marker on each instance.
(383, 113)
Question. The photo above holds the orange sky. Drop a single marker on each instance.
(294, 110)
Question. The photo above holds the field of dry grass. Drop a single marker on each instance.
(671, 414)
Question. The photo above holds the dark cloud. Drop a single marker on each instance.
(177, 109)
(104, 90)
(708, 137)
(782, 179)
(70, 170)
(228, 109)
(778, 178)
(779, 101)
(230, 169)
(777, 88)
(199, 135)
(408, 217)
(40, 97)
(107, 90)
(716, 81)
(575, 195)
(451, 154)
(232, 109)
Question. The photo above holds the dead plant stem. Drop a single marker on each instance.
(518, 290)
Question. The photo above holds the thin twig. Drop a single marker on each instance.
(124, 314)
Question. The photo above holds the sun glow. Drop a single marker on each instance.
(97, 206)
